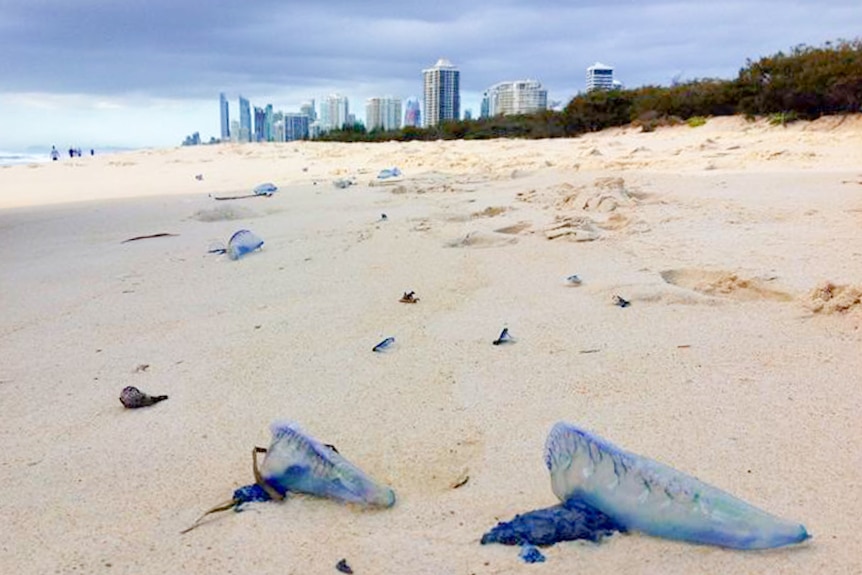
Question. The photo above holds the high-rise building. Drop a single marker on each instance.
(225, 119)
(442, 93)
(600, 77)
(412, 113)
(259, 124)
(244, 120)
(334, 112)
(520, 97)
(309, 110)
(295, 126)
(383, 114)
(278, 126)
(268, 132)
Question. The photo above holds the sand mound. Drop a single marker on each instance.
(600, 207)
(723, 284)
(606, 195)
(829, 298)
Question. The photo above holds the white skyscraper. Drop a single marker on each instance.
(333, 112)
(442, 93)
(520, 97)
(600, 77)
(383, 114)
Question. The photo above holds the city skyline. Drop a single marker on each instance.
(441, 102)
(130, 74)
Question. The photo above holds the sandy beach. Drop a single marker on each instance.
(739, 361)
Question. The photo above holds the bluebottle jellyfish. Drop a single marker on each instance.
(383, 344)
(266, 189)
(295, 462)
(604, 489)
(504, 337)
(241, 243)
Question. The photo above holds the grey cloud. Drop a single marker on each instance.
(193, 49)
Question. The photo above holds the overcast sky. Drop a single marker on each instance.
(148, 72)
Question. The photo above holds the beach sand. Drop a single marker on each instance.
(739, 360)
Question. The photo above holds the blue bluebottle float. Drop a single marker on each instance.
(241, 243)
(266, 189)
(647, 496)
(504, 337)
(387, 173)
(383, 344)
(621, 301)
(295, 462)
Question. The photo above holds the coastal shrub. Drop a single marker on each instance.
(649, 121)
(696, 121)
(782, 118)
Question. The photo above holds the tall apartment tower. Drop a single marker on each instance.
(244, 120)
(442, 92)
(334, 112)
(520, 97)
(296, 126)
(225, 119)
(383, 114)
(268, 123)
(259, 124)
(600, 77)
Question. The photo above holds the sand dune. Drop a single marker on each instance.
(739, 246)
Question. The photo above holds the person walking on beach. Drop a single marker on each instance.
(55, 155)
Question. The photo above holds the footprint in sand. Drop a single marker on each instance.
(514, 229)
(224, 213)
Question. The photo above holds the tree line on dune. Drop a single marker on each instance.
(806, 83)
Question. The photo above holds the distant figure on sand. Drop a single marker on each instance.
(55, 155)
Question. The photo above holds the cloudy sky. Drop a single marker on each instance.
(148, 72)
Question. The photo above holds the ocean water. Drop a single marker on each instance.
(18, 158)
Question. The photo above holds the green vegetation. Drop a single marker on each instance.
(782, 118)
(805, 84)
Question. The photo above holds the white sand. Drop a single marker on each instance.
(723, 237)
